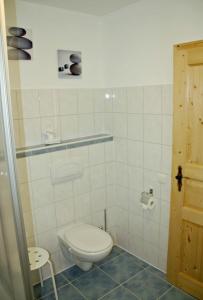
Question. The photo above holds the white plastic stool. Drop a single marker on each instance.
(39, 257)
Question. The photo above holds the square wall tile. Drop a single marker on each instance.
(109, 151)
(69, 127)
(98, 199)
(28, 103)
(135, 178)
(99, 100)
(85, 101)
(99, 126)
(42, 193)
(122, 198)
(167, 98)
(119, 100)
(152, 100)
(152, 156)
(48, 104)
(98, 176)
(39, 166)
(108, 123)
(62, 191)
(135, 100)
(135, 127)
(135, 153)
(167, 130)
(80, 155)
(64, 212)
(51, 124)
(45, 218)
(67, 100)
(82, 206)
(48, 240)
(151, 181)
(120, 124)
(31, 132)
(153, 129)
(110, 173)
(96, 154)
(135, 206)
(85, 125)
(82, 185)
(136, 245)
(121, 149)
(122, 174)
(151, 232)
(166, 159)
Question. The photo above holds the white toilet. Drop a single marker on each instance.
(87, 244)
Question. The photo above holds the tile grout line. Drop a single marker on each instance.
(165, 293)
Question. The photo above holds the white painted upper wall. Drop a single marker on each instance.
(54, 29)
(133, 46)
(139, 39)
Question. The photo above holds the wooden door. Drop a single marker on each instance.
(185, 255)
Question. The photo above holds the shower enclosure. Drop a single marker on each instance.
(14, 265)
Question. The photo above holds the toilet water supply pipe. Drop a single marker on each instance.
(105, 220)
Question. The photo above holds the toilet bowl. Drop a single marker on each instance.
(87, 244)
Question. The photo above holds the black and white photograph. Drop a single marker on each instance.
(69, 64)
(19, 42)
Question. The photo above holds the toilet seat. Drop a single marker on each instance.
(87, 238)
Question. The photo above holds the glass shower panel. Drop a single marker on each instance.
(14, 265)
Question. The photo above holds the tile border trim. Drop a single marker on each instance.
(64, 145)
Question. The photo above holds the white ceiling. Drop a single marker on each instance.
(92, 7)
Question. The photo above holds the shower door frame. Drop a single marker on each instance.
(18, 264)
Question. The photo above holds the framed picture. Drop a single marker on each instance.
(69, 64)
(19, 42)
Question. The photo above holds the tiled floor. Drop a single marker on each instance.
(119, 276)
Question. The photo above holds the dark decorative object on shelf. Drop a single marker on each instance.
(69, 64)
(17, 44)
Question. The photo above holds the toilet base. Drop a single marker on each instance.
(85, 266)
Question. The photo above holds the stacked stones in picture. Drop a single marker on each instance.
(18, 44)
(75, 68)
(69, 64)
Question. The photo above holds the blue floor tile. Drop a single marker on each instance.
(120, 293)
(176, 294)
(65, 293)
(72, 273)
(157, 272)
(115, 252)
(121, 268)
(138, 261)
(94, 284)
(147, 286)
(48, 286)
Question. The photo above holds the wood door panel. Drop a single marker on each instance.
(193, 194)
(195, 56)
(195, 115)
(185, 252)
(191, 250)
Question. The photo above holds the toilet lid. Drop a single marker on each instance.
(88, 238)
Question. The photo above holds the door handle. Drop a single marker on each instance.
(179, 178)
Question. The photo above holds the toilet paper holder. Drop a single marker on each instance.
(147, 200)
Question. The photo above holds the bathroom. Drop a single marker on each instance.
(88, 141)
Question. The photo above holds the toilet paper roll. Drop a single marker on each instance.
(150, 205)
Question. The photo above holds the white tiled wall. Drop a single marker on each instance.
(142, 120)
(68, 113)
(55, 206)
(116, 173)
